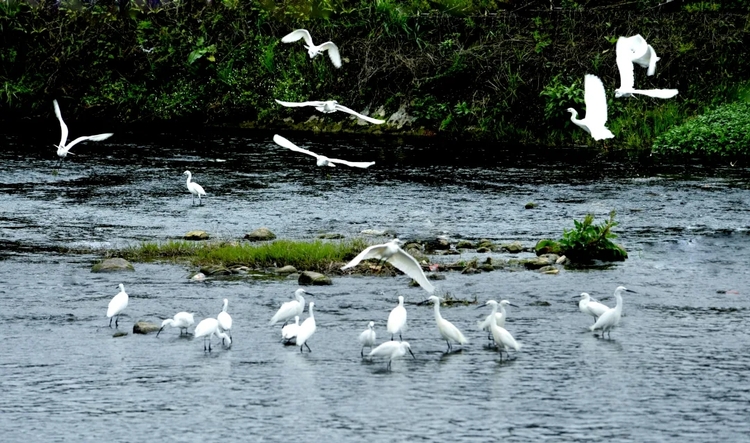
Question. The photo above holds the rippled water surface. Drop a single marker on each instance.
(676, 370)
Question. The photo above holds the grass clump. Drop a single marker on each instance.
(586, 241)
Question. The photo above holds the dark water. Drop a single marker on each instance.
(676, 370)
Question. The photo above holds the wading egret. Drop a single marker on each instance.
(312, 50)
(118, 304)
(207, 328)
(589, 306)
(367, 338)
(499, 317)
(629, 51)
(322, 160)
(503, 340)
(290, 309)
(393, 254)
(194, 188)
(397, 319)
(611, 317)
(596, 109)
(391, 350)
(182, 320)
(288, 332)
(446, 328)
(306, 329)
(225, 320)
(62, 148)
(330, 106)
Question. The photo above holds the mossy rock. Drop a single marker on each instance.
(113, 265)
(196, 235)
(464, 244)
(314, 278)
(513, 247)
(286, 270)
(530, 205)
(145, 327)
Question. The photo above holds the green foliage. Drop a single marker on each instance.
(560, 95)
(586, 241)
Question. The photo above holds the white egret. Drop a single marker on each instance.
(290, 309)
(393, 254)
(367, 338)
(207, 328)
(503, 340)
(589, 306)
(499, 317)
(118, 304)
(225, 320)
(322, 160)
(391, 350)
(397, 319)
(194, 188)
(446, 328)
(611, 317)
(306, 329)
(182, 320)
(288, 332)
(330, 106)
(312, 49)
(62, 148)
(596, 109)
(629, 50)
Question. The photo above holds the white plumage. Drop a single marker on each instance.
(290, 309)
(288, 332)
(503, 340)
(182, 320)
(596, 109)
(367, 338)
(306, 329)
(225, 320)
(397, 319)
(330, 106)
(611, 318)
(207, 328)
(631, 50)
(118, 304)
(391, 350)
(322, 160)
(194, 188)
(446, 328)
(62, 148)
(393, 254)
(312, 49)
(589, 306)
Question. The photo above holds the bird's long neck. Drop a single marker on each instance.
(189, 177)
(574, 116)
(224, 309)
(437, 311)
(618, 297)
(312, 316)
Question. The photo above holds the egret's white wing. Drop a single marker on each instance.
(596, 101)
(385, 349)
(93, 138)
(374, 251)
(193, 186)
(299, 104)
(358, 115)
(409, 266)
(63, 126)
(624, 64)
(362, 165)
(296, 35)
(333, 53)
(597, 308)
(281, 141)
(656, 93)
(648, 60)
(286, 311)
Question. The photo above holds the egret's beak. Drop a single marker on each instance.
(412, 354)
(481, 306)
(309, 293)
(157, 334)
(424, 302)
(630, 290)
(511, 304)
(576, 296)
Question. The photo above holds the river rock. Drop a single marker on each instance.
(437, 244)
(285, 270)
(331, 236)
(530, 205)
(549, 269)
(216, 270)
(513, 247)
(196, 235)
(541, 261)
(484, 243)
(145, 327)
(314, 278)
(119, 334)
(464, 244)
(113, 265)
(260, 234)
(483, 250)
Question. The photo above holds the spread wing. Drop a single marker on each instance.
(358, 115)
(93, 138)
(374, 251)
(333, 53)
(299, 104)
(596, 101)
(409, 266)
(63, 126)
(624, 56)
(352, 164)
(296, 35)
(281, 141)
(657, 93)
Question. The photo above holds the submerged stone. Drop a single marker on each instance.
(113, 265)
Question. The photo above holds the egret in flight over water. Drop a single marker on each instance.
(194, 188)
(62, 148)
(397, 319)
(611, 318)
(393, 254)
(446, 328)
(322, 160)
(330, 106)
(182, 320)
(118, 304)
(312, 49)
(596, 109)
(391, 350)
(631, 50)
(207, 328)
(367, 338)
(225, 320)
(589, 306)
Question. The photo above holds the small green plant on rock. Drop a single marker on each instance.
(586, 241)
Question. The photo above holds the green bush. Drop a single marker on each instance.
(586, 242)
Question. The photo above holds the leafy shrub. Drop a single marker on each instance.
(586, 242)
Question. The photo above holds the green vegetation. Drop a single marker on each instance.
(586, 242)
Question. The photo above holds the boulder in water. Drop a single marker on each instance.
(314, 278)
(196, 235)
(145, 327)
(113, 265)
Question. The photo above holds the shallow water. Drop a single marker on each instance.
(676, 370)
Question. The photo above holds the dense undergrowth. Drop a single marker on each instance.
(479, 69)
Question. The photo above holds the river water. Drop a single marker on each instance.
(677, 369)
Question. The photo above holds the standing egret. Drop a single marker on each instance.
(322, 160)
(611, 317)
(290, 309)
(628, 51)
(393, 254)
(367, 338)
(118, 304)
(194, 188)
(589, 306)
(306, 329)
(499, 317)
(312, 50)
(62, 148)
(182, 320)
(330, 106)
(225, 320)
(397, 319)
(288, 332)
(207, 328)
(391, 349)
(503, 340)
(596, 109)
(446, 328)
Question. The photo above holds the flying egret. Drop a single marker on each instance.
(503, 340)
(397, 319)
(446, 328)
(194, 188)
(62, 148)
(611, 317)
(393, 254)
(330, 106)
(306, 329)
(322, 160)
(628, 51)
(118, 304)
(312, 50)
(290, 309)
(207, 328)
(596, 109)
(499, 317)
(367, 338)
(391, 350)
(288, 332)
(182, 320)
(225, 320)
(589, 306)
